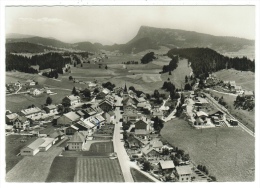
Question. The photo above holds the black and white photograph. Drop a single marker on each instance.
(151, 93)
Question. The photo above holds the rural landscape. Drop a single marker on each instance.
(168, 105)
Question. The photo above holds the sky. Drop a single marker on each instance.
(119, 24)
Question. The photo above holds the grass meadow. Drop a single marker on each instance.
(228, 153)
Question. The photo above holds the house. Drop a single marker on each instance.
(76, 142)
(166, 166)
(32, 112)
(41, 144)
(21, 123)
(248, 94)
(98, 121)
(157, 144)
(30, 83)
(96, 108)
(141, 128)
(106, 91)
(57, 136)
(89, 112)
(71, 130)
(35, 91)
(216, 113)
(106, 105)
(10, 118)
(68, 118)
(51, 109)
(157, 113)
(233, 122)
(232, 84)
(201, 114)
(81, 114)
(184, 173)
(101, 95)
(238, 89)
(149, 152)
(71, 100)
(109, 117)
(131, 116)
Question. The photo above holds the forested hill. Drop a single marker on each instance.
(206, 60)
(25, 47)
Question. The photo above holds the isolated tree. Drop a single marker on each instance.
(70, 78)
(186, 79)
(74, 64)
(106, 67)
(170, 72)
(86, 93)
(74, 91)
(48, 100)
(146, 166)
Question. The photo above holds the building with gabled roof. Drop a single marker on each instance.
(30, 112)
(71, 99)
(68, 118)
(184, 173)
(166, 165)
(71, 130)
(10, 118)
(76, 142)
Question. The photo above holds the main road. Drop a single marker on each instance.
(218, 106)
(119, 145)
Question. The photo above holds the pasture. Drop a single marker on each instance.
(245, 116)
(228, 153)
(98, 170)
(13, 145)
(245, 79)
(18, 102)
(33, 168)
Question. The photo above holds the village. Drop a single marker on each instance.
(92, 114)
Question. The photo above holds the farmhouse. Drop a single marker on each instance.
(72, 100)
(68, 118)
(51, 109)
(31, 112)
(131, 116)
(109, 117)
(184, 173)
(141, 128)
(35, 91)
(30, 83)
(89, 112)
(21, 123)
(76, 142)
(10, 118)
(96, 108)
(166, 166)
(248, 94)
(106, 105)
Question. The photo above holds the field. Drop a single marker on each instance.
(228, 153)
(246, 117)
(17, 102)
(139, 177)
(245, 79)
(98, 170)
(13, 145)
(62, 169)
(33, 168)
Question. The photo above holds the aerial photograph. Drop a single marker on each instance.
(129, 94)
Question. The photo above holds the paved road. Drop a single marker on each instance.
(232, 94)
(135, 166)
(119, 146)
(218, 106)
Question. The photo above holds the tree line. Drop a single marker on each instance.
(53, 61)
(206, 60)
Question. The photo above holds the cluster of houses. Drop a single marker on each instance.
(204, 115)
(143, 142)
(228, 85)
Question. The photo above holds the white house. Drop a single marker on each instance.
(35, 91)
